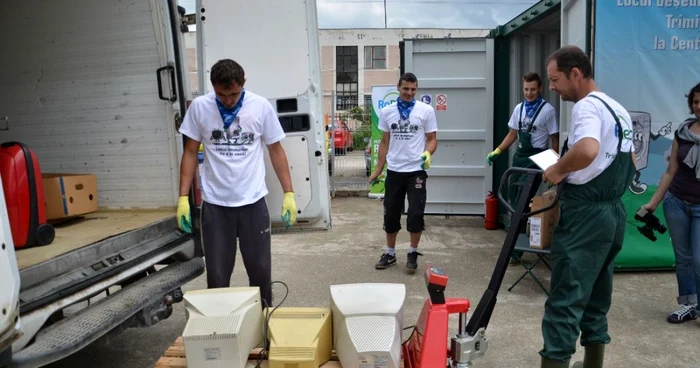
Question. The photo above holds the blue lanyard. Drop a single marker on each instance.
(229, 115)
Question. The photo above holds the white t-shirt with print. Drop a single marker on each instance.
(234, 163)
(546, 124)
(591, 119)
(407, 138)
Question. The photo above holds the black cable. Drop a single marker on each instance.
(266, 325)
(411, 335)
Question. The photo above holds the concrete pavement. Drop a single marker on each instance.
(309, 263)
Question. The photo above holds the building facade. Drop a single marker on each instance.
(353, 60)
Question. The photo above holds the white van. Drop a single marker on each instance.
(100, 87)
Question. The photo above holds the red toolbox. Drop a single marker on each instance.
(24, 196)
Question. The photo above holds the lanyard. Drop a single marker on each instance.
(229, 115)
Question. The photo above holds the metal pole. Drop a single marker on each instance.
(331, 129)
(385, 24)
(462, 328)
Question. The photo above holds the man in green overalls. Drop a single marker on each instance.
(533, 123)
(596, 168)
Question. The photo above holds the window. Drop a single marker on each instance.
(346, 77)
(368, 100)
(346, 96)
(375, 57)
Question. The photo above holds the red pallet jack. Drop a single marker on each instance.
(426, 348)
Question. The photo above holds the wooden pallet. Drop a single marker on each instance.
(174, 357)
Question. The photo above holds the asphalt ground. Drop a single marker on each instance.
(309, 263)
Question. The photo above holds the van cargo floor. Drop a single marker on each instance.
(91, 228)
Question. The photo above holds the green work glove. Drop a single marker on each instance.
(493, 156)
(184, 221)
(427, 159)
(289, 209)
(376, 180)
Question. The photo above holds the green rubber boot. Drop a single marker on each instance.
(593, 357)
(550, 363)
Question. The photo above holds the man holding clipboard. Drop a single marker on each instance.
(596, 168)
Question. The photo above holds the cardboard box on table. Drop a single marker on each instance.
(541, 226)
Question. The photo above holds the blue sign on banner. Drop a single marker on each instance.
(426, 99)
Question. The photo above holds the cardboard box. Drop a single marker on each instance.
(541, 228)
(69, 195)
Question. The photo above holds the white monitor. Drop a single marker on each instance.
(223, 326)
(368, 324)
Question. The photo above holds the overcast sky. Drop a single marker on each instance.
(412, 13)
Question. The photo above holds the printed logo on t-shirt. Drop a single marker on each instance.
(526, 126)
(232, 141)
(627, 133)
(403, 130)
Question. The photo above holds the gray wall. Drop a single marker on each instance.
(528, 51)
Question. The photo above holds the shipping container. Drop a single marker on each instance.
(645, 68)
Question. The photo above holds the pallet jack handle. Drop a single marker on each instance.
(533, 178)
(504, 183)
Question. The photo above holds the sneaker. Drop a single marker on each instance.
(412, 261)
(386, 261)
(684, 313)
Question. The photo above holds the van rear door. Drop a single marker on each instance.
(9, 287)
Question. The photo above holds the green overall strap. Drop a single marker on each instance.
(565, 147)
(617, 122)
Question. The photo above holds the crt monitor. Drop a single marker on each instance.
(368, 321)
(223, 326)
(299, 337)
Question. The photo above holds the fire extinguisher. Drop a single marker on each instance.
(491, 212)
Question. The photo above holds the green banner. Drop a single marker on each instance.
(382, 96)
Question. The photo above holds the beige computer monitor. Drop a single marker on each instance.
(299, 337)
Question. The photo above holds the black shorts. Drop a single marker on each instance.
(397, 186)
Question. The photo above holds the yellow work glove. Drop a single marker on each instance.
(427, 159)
(289, 209)
(184, 221)
(493, 155)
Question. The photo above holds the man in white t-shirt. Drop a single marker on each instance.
(596, 168)
(533, 123)
(233, 126)
(409, 129)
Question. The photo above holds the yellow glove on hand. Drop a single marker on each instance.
(493, 155)
(427, 159)
(289, 209)
(184, 221)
